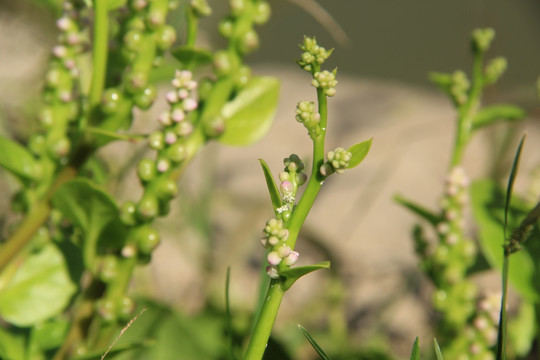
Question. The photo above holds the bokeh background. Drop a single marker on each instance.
(384, 51)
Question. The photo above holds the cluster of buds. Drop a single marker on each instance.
(290, 179)
(482, 38)
(337, 161)
(459, 87)
(274, 239)
(325, 80)
(60, 93)
(307, 114)
(313, 55)
(200, 8)
(238, 27)
(495, 68)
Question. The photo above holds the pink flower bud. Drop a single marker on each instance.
(189, 104)
(172, 97)
(286, 187)
(283, 251)
(292, 258)
(59, 51)
(170, 137)
(164, 119)
(163, 165)
(183, 93)
(273, 258)
(178, 115)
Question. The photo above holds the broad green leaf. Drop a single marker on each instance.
(496, 113)
(359, 152)
(522, 329)
(48, 335)
(419, 210)
(438, 352)
(249, 115)
(17, 160)
(271, 184)
(192, 58)
(12, 343)
(488, 209)
(95, 213)
(40, 288)
(176, 336)
(296, 273)
(313, 343)
(415, 354)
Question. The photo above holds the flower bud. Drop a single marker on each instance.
(146, 170)
(167, 189)
(225, 63)
(226, 27)
(261, 13)
(163, 165)
(125, 308)
(286, 187)
(155, 19)
(292, 258)
(147, 240)
(156, 140)
(108, 268)
(165, 37)
(127, 213)
(144, 99)
(148, 207)
(273, 258)
(176, 152)
(272, 272)
(301, 178)
(133, 39)
(214, 127)
(249, 41)
(482, 38)
(111, 100)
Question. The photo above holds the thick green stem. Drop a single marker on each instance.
(501, 341)
(192, 26)
(265, 322)
(99, 53)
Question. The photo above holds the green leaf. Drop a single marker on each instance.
(359, 152)
(522, 329)
(487, 202)
(497, 113)
(419, 210)
(49, 335)
(192, 58)
(415, 354)
(17, 160)
(40, 288)
(271, 185)
(313, 343)
(12, 343)
(95, 213)
(296, 273)
(249, 115)
(438, 352)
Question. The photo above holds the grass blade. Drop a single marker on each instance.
(415, 354)
(228, 316)
(438, 352)
(313, 343)
(511, 179)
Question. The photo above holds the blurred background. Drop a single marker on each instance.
(375, 293)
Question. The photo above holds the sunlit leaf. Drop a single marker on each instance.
(359, 152)
(249, 115)
(40, 288)
(438, 352)
(296, 273)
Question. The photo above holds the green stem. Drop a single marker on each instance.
(99, 54)
(265, 322)
(274, 295)
(33, 221)
(468, 110)
(501, 340)
(192, 25)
